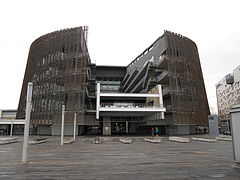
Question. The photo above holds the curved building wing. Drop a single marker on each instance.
(57, 65)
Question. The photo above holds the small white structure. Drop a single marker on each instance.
(235, 124)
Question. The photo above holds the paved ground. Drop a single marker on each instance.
(114, 160)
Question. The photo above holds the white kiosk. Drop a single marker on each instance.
(235, 130)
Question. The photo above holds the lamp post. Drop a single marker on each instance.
(27, 122)
(74, 126)
(62, 129)
(11, 130)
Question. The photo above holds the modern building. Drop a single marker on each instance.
(228, 94)
(9, 124)
(162, 87)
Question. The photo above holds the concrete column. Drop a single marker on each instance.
(106, 125)
(62, 125)
(11, 131)
(126, 127)
(160, 99)
(97, 100)
(27, 122)
(74, 126)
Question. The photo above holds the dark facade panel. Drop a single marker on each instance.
(110, 72)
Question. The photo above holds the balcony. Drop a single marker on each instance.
(142, 108)
(162, 63)
(119, 104)
(163, 77)
(126, 105)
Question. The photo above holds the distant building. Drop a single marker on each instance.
(7, 118)
(114, 99)
(228, 94)
(8, 113)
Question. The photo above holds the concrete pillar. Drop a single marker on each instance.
(74, 126)
(97, 100)
(213, 125)
(11, 131)
(106, 125)
(62, 125)
(235, 130)
(27, 122)
(161, 100)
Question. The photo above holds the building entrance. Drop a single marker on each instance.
(118, 128)
(125, 125)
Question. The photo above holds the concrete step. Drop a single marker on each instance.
(224, 138)
(125, 140)
(179, 139)
(8, 140)
(34, 141)
(153, 139)
(204, 139)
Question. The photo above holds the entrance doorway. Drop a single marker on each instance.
(126, 125)
(118, 128)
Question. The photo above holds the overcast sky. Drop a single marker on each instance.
(119, 30)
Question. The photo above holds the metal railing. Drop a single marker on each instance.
(127, 105)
